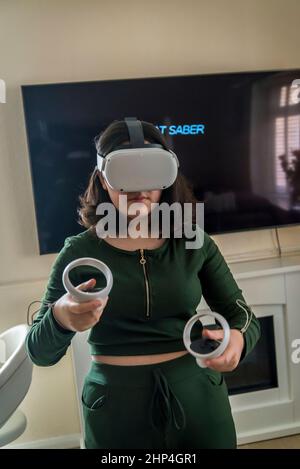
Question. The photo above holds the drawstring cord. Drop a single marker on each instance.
(161, 388)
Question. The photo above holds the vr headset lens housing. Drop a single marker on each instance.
(138, 169)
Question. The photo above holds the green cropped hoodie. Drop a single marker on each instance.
(150, 301)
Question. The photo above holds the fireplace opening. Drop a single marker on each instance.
(258, 370)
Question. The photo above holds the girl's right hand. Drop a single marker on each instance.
(78, 317)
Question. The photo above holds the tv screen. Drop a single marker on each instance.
(236, 135)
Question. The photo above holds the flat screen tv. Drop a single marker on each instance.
(237, 137)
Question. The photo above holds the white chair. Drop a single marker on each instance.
(15, 378)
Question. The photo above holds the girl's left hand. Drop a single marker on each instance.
(230, 358)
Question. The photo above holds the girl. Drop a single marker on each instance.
(143, 389)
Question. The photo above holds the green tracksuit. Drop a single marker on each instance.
(173, 404)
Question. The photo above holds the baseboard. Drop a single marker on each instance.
(58, 442)
(76, 441)
(268, 433)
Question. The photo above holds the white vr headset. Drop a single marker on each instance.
(138, 166)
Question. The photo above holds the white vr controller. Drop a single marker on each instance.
(80, 295)
(200, 357)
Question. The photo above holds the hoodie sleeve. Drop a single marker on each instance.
(47, 341)
(223, 295)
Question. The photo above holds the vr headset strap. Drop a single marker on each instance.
(135, 130)
(100, 162)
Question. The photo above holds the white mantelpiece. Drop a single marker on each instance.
(271, 287)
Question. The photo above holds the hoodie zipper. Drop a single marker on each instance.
(143, 262)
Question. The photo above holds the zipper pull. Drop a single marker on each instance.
(142, 259)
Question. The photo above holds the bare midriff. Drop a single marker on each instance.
(138, 359)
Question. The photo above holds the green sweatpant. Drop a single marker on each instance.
(173, 404)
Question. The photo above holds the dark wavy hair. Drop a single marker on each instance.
(116, 134)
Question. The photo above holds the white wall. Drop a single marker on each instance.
(45, 41)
